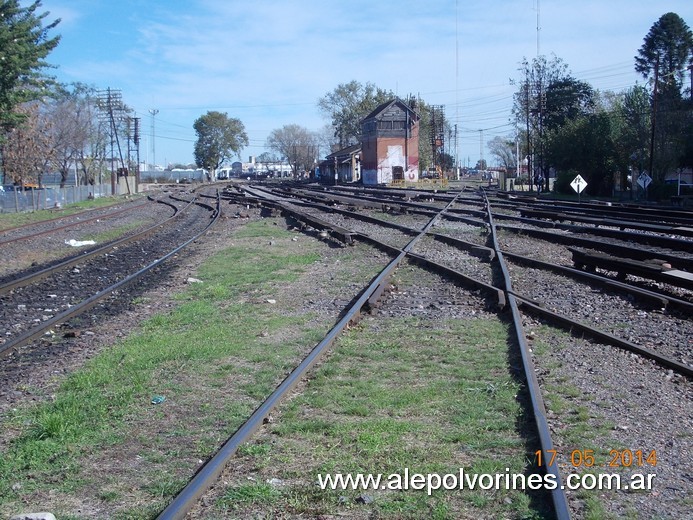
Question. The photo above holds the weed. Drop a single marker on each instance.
(254, 493)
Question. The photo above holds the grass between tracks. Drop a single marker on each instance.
(9, 220)
(395, 395)
(100, 448)
(428, 396)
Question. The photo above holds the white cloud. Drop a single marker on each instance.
(267, 62)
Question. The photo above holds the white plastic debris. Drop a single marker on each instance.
(79, 243)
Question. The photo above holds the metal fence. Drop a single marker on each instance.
(16, 201)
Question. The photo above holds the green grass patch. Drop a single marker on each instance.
(255, 493)
(9, 220)
(220, 338)
(456, 407)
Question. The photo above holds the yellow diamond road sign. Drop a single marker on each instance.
(579, 184)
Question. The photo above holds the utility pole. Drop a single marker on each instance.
(542, 109)
(517, 152)
(111, 108)
(481, 149)
(529, 141)
(654, 117)
(437, 132)
(457, 104)
(457, 163)
(136, 141)
(154, 112)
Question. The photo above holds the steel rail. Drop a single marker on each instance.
(652, 296)
(339, 232)
(396, 193)
(558, 496)
(210, 471)
(402, 203)
(86, 255)
(87, 304)
(606, 220)
(404, 206)
(628, 252)
(675, 244)
(569, 324)
(486, 253)
(64, 217)
(448, 214)
(642, 213)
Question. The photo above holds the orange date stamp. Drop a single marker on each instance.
(588, 458)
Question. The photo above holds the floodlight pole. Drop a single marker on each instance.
(154, 112)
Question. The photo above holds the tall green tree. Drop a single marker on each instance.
(630, 114)
(584, 146)
(347, 104)
(24, 45)
(219, 138)
(566, 99)
(548, 98)
(666, 53)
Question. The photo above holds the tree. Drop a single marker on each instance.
(219, 137)
(27, 147)
(24, 43)
(327, 141)
(667, 51)
(503, 150)
(348, 104)
(547, 99)
(78, 137)
(296, 144)
(566, 99)
(530, 103)
(445, 161)
(630, 114)
(584, 146)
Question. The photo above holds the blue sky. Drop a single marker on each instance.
(267, 62)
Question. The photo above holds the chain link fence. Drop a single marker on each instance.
(16, 200)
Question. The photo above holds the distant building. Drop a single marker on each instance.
(346, 163)
(390, 144)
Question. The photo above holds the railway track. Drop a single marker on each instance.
(36, 303)
(672, 353)
(368, 298)
(33, 230)
(44, 243)
(564, 365)
(666, 358)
